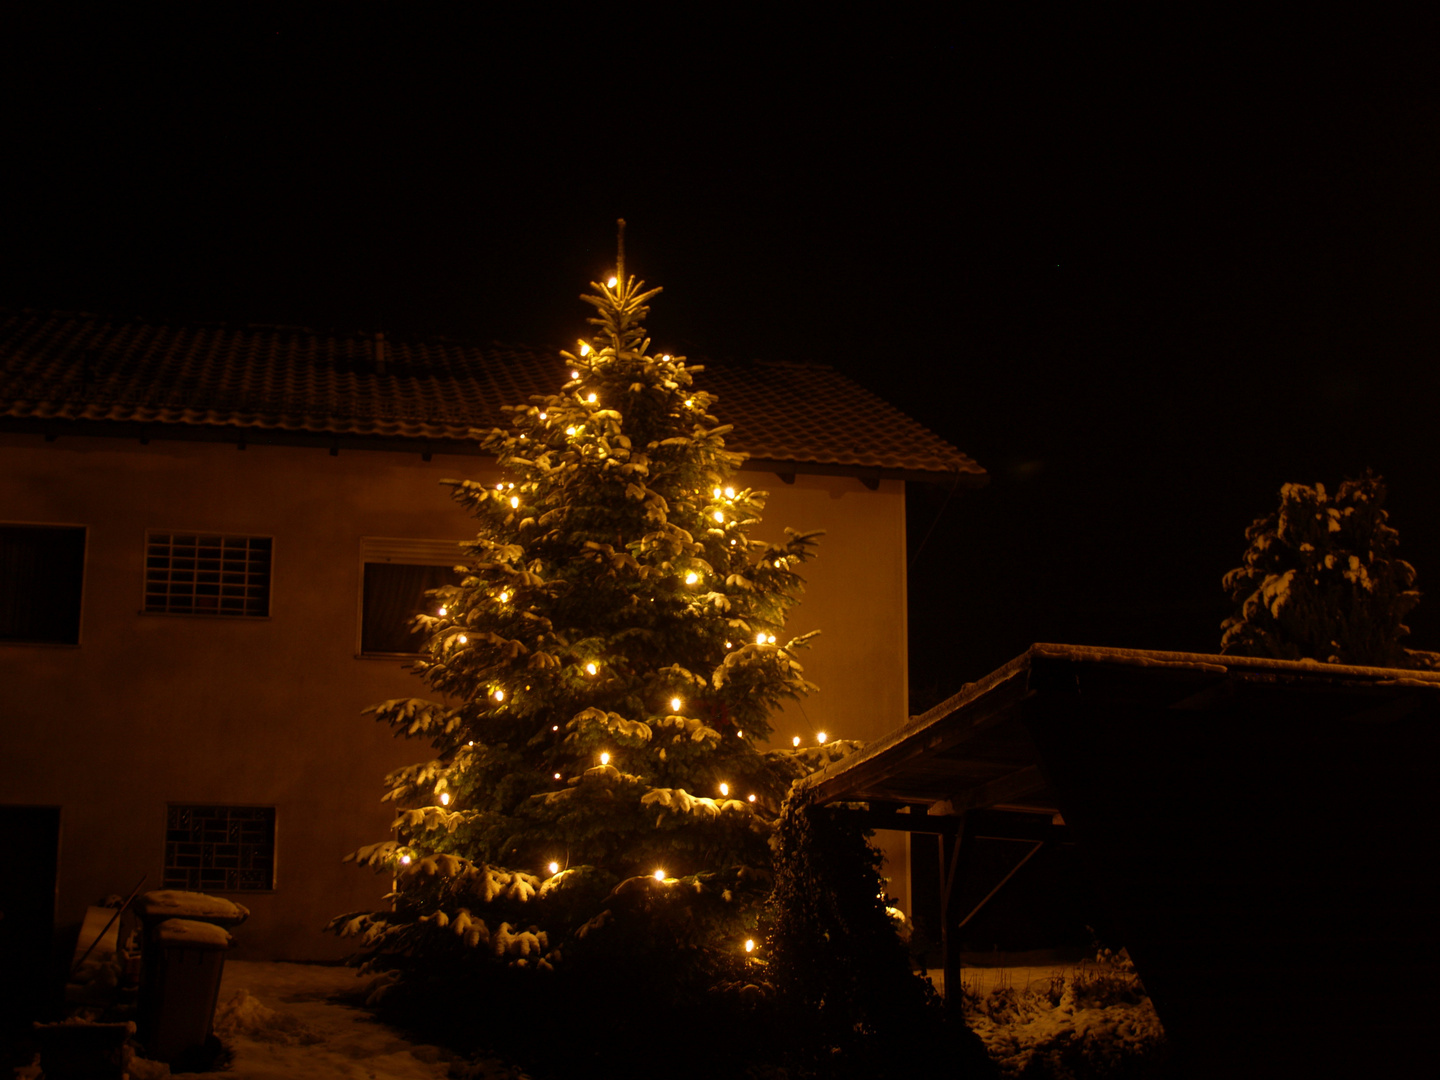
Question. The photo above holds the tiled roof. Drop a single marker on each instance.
(69, 367)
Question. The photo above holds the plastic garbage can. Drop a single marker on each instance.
(182, 966)
(183, 986)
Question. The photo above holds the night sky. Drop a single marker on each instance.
(1143, 270)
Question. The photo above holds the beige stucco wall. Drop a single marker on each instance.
(150, 710)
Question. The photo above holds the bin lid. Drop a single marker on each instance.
(178, 904)
(192, 934)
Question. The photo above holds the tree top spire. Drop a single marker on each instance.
(620, 252)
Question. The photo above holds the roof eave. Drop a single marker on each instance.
(145, 431)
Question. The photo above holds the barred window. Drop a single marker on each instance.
(199, 574)
(220, 848)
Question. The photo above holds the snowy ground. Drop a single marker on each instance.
(1063, 1020)
(282, 1022)
(286, 1021)
(289, 1021)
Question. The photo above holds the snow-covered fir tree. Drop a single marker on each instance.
(1321, 580)
(600, 790)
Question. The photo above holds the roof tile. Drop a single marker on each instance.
(66, 366)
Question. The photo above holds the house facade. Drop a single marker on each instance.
(211, 541)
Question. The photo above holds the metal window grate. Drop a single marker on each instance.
(229, 848)
(193, 574)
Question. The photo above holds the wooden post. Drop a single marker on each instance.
(951, 875)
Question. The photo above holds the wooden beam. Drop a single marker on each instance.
(1006, 788)
(889, 819)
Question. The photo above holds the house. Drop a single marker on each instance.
(211, 540)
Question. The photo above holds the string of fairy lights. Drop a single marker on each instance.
(723, 511)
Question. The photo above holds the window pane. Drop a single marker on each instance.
(41, 571)
(395, 594)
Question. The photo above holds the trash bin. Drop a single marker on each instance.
(189, 960)
(184, 955)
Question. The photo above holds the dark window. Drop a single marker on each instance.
(42, 568)
(220, 848)
(195, 574)
(394, 595)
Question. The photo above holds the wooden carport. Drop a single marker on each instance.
(1263, 833)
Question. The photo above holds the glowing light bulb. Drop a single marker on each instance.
(569, 431)
(444, 798)
(443, 610)
(543, 416)
(659, 875)
(499, 487)
(610, 283)
(795, 741)
(666, 357)
(504, 596)
(749, 944)
(689, 403)
(691, 578)
(724, 789)
(728, 645)
(591, 397)
(574, 374)
(557, 776)
(752, 798)
(770, 639)
(820, 737)
(717, 493)
(584, 348)
(732, 543)
(463, 639)
(718, 516)
(554, 727)
(760, 638)
(590, 668)
(739, 734)
(604, 758)
(729, 493)
(554, 868)
(404, 860)
(470, 743)
(514, 501)
(499, 695)
(675, 704)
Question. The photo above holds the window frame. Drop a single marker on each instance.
(401, 551)
(202, 886)
(240, 616)
(84, 584)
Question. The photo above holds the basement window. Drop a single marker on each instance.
(219, 848)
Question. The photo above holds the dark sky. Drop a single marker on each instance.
(1144, 269)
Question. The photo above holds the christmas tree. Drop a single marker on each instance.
(600, 792)
(1321, 580)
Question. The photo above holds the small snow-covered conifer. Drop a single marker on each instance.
(1321, 580)
(604, 672)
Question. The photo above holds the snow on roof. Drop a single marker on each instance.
(77, 368)
(1018, 669)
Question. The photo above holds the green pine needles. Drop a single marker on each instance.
(605, 673)
(1321, 581)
